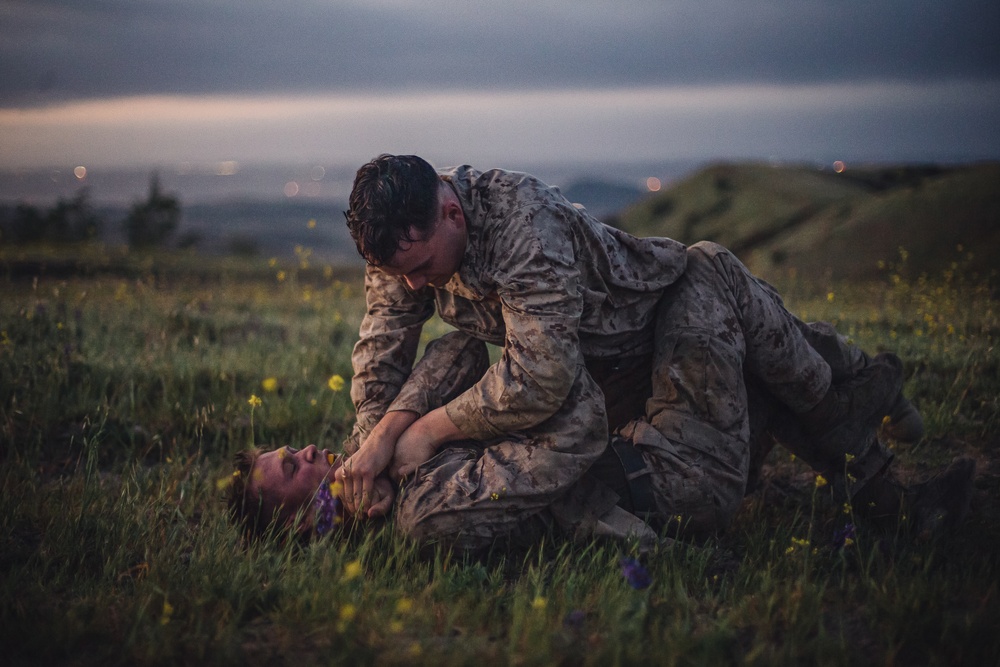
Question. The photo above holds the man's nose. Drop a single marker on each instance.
(309, 453)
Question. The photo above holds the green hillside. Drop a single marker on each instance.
(818, 223)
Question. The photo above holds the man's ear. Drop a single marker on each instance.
(453, 213)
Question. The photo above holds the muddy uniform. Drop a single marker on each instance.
(579, 307)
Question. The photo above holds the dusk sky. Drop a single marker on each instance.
(165, 82)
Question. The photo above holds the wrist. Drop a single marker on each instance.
(392, 425)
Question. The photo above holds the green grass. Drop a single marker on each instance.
(124, 387)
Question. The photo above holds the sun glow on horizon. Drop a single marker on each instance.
(608, 123)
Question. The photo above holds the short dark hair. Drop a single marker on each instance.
(246, 507)
(392, 194)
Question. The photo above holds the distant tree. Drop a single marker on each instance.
(73, 220)
(28, 225)
(153, 222)
(69, 221)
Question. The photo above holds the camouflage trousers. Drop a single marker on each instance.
(731, 370)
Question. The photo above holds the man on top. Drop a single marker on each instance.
(688, 363)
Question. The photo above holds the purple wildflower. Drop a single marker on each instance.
(574, 619)
(843, 537)
(635, 574)
(327, 508)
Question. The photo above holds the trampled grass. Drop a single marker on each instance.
(124, 387)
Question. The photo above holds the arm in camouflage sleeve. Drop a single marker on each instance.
(450, 365)
(541, 295)
(384, 354)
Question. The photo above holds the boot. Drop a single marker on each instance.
(880, 501)
(932, 508)
(904, 423)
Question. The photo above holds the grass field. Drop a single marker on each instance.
(124, 389)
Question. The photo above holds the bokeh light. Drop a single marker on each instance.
(227, 168)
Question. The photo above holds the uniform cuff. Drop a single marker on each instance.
(467, 416)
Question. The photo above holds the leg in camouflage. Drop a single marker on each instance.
(716, 327)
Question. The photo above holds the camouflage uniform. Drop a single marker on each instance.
(570, 300)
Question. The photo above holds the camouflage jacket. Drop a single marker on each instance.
(540, 277)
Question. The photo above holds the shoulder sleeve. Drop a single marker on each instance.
(538, 284)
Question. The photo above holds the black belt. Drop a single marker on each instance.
(637, 477)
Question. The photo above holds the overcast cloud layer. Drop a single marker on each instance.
(54, 50)
(900, 76)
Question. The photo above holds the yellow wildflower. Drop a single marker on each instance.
(281, 275)
(352, 570)
(336, 488)
(348, 612)
(168, 611)
(335, 383)
(404, 605)
(821, 481)
(539, 603)
(269, 384)
(849, 457)
(311, 224)
(254, 401)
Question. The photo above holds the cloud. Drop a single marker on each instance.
(56, 50)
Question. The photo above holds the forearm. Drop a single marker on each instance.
(422, 440)
(392, 425)
(436, 429)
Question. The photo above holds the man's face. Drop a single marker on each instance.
(288, 478)
(433, 259)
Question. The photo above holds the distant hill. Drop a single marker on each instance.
(601, 198)
(273, 228)
(823, 224)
